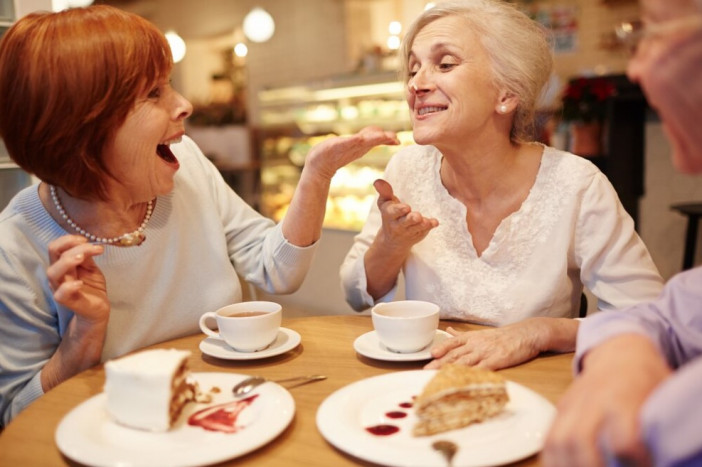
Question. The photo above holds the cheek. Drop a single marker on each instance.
(409, 98)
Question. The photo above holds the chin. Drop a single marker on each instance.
(422, 137)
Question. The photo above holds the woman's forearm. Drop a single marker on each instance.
(383, 264)
(302, 225)
(80, 348)
(557, 334)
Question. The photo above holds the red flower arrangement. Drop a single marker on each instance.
(584, 99)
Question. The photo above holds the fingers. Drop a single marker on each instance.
(401, 225)
(66, 255)
(373, 135)
(384, 190)
(67, 291)
(402, 220)
(625, 441)
(61, 244)
(442, 348)
(573, 437)
(462, 356)
(451, 350)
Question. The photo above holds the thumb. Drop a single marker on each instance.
(384, 190)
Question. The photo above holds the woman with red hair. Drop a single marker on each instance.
(132, 233)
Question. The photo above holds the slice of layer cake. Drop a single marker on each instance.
(457, 396)
(148, 390)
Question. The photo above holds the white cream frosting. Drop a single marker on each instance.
(139, 387)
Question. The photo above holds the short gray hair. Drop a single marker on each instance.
(518, 48)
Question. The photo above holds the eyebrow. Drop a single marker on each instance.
(438, 47)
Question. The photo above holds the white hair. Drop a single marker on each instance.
(518, 48)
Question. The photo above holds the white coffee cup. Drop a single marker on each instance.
(245, 326)
(405, 326)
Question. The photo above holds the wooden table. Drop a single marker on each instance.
(326, 348)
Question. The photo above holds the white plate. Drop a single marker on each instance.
(89, 436)
(344, 416)
(287, 339)
(370, 346)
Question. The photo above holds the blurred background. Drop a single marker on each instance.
(270, 78)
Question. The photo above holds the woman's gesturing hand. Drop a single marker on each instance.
(331, 154)
(76, 280)
(78, 284)
(401, 227)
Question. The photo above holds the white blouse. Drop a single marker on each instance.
(570, 231)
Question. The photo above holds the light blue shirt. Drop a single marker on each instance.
(199, 238)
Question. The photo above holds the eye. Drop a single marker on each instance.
(445, 66)
(155, 93)
(412, 70)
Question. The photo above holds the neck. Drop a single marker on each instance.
(100, 222)
(477, 174)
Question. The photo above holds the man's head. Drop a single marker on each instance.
(668, 66)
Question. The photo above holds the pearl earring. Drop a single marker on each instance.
(503, 109)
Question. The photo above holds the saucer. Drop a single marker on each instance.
(287, 339)
(369, 346)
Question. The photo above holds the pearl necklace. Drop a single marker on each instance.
(135, 238)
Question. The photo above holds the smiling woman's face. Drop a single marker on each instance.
(139, 156)
(450, 91)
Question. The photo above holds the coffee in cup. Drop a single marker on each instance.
(405, 326)
(245, 326)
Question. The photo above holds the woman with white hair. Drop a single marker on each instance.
(494, 228)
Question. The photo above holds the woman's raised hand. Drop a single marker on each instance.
(78, 284)
(401, 227)
(76, 280)
(331, 154)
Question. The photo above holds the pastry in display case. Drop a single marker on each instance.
(296, 118)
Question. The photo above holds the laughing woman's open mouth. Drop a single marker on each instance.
(164, 152)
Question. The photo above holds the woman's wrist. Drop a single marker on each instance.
(80, 348)
(556, 334)
(316, 170)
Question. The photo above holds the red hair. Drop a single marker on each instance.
(67, 82)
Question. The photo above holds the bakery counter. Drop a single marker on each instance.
(351, 193)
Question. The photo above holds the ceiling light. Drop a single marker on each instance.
(60, 5)
(240, 50)
(395, 28)
(258, 25)
(177, 46)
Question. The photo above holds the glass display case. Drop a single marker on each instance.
(295, 118)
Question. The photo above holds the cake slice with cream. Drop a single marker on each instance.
(148, 390)
(457, 396)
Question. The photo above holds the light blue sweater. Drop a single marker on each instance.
(200, 236)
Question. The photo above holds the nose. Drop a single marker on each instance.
(419, 83)
(183, 107)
